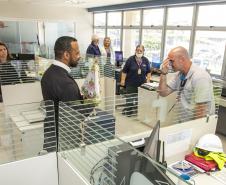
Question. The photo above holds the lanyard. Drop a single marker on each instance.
(139, 62)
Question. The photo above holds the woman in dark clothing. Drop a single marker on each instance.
(8, 73)
(11, 72)
(136, 71)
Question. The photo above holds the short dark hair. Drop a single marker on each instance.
(9, 57)
(63, 44)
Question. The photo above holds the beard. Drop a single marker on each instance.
(73, 62)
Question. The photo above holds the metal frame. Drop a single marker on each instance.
(193, 28)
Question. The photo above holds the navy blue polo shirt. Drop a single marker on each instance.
(93, 50)
(131, 69)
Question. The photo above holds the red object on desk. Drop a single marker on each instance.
(201, 163)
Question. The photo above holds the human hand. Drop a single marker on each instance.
(122, 83)
(165, 66)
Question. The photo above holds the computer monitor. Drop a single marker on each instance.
(156, 65)
(22, 56)
(118, 58)
(152, 146)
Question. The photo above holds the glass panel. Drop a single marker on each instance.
(180, 16)
(217, 13)
(101, 35)
(54, 30)
(130, 41)
(152, 44)
(176, 38)
(99, 19)
(29, 36)
(114, 18)
(115, 35)
(9, 34)
(209, 50)
(132, 18)
(153, 17)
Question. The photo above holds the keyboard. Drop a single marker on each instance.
(220, 175)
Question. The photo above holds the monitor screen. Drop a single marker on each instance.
(156, 65)
(118, 55)
(118, 58)
(152, 145)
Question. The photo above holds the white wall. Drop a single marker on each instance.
(40, 170)
(80, 16)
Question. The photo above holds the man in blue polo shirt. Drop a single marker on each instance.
(135, 72)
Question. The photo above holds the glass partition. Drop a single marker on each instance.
(88, 143)
(9, 34)
(21, 130)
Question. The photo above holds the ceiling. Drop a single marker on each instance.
(75, 3)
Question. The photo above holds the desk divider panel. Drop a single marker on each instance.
(87, 142)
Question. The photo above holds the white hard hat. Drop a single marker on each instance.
(210, 142)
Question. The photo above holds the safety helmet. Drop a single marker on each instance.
(210, 142)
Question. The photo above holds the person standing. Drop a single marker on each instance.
(136, 71)
(93, 49)
(107, 50)
(192, 83)
(57, 85)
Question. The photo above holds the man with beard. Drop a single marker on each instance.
(57, 85)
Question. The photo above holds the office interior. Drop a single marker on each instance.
(93, 150)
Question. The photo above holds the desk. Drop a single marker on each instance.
(30, 135)
(152, 107)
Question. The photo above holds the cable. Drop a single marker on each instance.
(94, 169)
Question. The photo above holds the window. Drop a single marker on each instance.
(114, 18)
(99, 19)
(209, 50)
(217, 12)
(54, 30)
(115, 35)
(176, 38)
(101, 35)
(153, 17)
(132, 18)
(180, 16)
(152, 44)
(130, 41)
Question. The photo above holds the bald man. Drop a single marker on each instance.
(193, 84)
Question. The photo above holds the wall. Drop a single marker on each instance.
(22, 11)
(40, 170)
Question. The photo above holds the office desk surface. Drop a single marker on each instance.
(24, 123)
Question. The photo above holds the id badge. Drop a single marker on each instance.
(139, 71)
